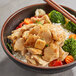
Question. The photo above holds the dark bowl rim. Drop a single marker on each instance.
(7, 51)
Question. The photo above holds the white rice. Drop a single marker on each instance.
(68, 33)
(19, 56)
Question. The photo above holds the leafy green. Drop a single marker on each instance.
(56, 17)
(71, 26)
(70, 46)
(9, 46)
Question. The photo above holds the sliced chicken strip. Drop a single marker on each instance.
(62, 54)
(39, 60)
(25, 35)
(35, 30)
(30, 42)
(51, 53)
(19, 45)
(24, 52)
(15, 35)
(24, 28)
(34, 51)
(18, 32)
(44, 19)
(30, 60)
(45, 34)
(58, 34)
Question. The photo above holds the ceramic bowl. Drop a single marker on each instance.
(12, 22)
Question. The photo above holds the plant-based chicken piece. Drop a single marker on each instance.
(58, 34)
(52, 52)
(45, 34)
(36, 29)
(30, 60)
(30, 42)
(39, 60)
(19, 45)
(15, 35)
(34, 51)
(42, 20)
(25, 35)
(18, 32)
(40, 44)
(62, 54)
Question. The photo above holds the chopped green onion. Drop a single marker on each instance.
(46, 45)
(9, 46)
(40, 55)
(39, 22)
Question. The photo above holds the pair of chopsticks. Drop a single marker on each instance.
(61, 9)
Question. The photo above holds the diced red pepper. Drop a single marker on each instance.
(17, 27)
(56, 63)
(20, 25)
(51, 63)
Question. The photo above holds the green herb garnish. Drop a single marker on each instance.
(46, 45)
(40, 55)
(9, 46)
(39, 22)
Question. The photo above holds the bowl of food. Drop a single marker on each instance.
(40, 39)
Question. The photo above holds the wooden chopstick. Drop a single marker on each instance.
(62, 10)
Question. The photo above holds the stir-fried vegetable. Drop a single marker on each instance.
(69, 59)
(56, 63)
(70, 46)
(9, 46)
(73, 36)
(56, 17)
(27, 21)
(39, 22)
(71, 26)
(20, 25)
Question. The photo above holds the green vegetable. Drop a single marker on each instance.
(40, 55)
(70, 46)
(9, 46)
(39, 22)
(56, 17)
(71, 26)
(46, 45)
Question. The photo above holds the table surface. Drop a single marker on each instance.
(9, 68)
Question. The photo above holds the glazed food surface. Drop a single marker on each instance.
(44, 39)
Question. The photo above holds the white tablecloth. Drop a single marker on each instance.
(9, 68)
